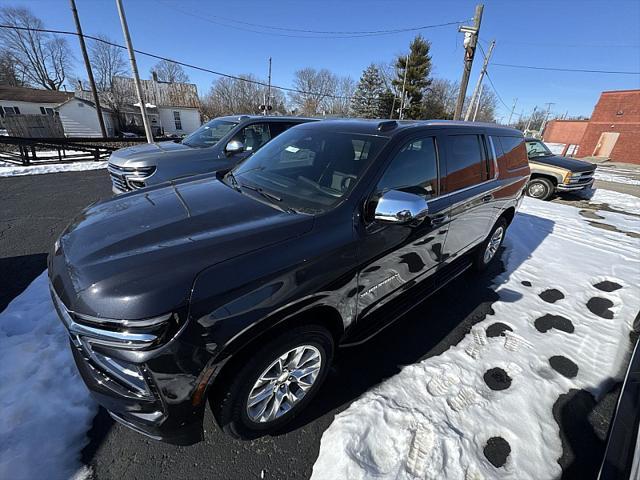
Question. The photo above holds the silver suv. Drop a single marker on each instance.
(218, 144)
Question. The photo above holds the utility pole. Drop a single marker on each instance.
(546, 117)
(515, 102)
(479, 84)
(92, 82)
(470, 42)
(531, 118)
(267, 105)
(134, 70)
(404, 85)
(475, 113)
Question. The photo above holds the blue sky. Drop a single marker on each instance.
(561, 33)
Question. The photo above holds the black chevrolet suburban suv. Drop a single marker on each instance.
(236, 287)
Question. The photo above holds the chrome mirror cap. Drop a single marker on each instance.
(400, 207)
(234, 146)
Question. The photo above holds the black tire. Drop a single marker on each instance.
(480, 261)
(230, 407)
(540, 188)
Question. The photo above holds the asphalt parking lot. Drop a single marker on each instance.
(37, 207)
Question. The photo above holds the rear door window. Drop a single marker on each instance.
(466, 162)
(514, 151)
(278, 127)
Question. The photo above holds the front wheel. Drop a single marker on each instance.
(540, 188)
(275, 383)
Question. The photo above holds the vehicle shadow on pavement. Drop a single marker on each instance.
(17, 273)
(430, 329)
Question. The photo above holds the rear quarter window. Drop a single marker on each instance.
(514, 151)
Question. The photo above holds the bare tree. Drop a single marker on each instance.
(316, 87)
(171, 72)
(341, 104)
(40, 58)
(8, 73)
(440, 100)
(229, 96)
(107, 61)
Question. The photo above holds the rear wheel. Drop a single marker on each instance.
(489, 248)
(540, 188)
(275, 383)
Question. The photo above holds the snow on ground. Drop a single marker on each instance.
(617, 201)
(46, 408)
(9, 170)
(617, 176)
(483, 408)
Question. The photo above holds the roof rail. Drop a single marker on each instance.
(243, 117)
(387, 125)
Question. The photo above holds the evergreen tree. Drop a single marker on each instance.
(366, 100)
(417, 76)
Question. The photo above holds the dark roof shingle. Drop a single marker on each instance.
(34, 95)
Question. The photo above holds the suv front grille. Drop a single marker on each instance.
(122, 177)
(578, 178)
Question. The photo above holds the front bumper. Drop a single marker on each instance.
(569, 187)
(150, 391)
(178, 424)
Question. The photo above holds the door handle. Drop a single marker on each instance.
(439, 219)
(487, 198)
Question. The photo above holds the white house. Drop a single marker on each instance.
(80, 119)
(30, 101)
(176, 104)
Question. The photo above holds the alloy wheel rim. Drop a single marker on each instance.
(537, 190)
(493, 244)
(283, 383)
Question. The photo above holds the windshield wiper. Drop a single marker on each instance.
(261, 192)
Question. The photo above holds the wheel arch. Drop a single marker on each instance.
(548, 176)
(322, 315)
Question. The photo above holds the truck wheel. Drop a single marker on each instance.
(540, 188)
(275, 383)
(489, 248)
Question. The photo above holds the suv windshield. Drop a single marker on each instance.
(537, 149)
(209, 134)
(308, 169)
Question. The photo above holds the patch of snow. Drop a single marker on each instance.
(622, 202)
(607, 175)
(9, 170)
(483, 408)
(46, 408)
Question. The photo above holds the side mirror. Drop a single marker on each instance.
(400, 207)
(234, 146)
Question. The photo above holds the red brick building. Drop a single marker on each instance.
(612, 132)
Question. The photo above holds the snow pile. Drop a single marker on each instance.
(483, 408)
(617, 201)
(616, 175)
(46, 408)
(10, 170)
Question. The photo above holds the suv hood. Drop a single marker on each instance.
(563, 162)
(136, 255)
(131, 156)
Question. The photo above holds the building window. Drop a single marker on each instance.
(177, 120)
(11, 110)
(46, 111)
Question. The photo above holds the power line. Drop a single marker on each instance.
(313, 33)
(188, 65)
(557, 69)
(495, 90)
